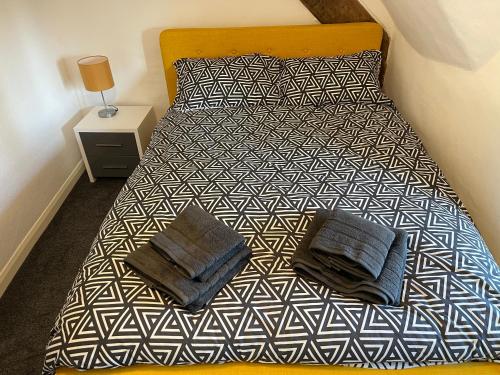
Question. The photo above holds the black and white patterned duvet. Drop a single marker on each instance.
(264, 171)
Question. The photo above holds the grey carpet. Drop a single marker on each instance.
(30, 304)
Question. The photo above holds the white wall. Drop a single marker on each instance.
(444, 75)
(41, 94)
(37, 112)
(127, 31)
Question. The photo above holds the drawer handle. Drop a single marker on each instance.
(117, 166)
(108, 145)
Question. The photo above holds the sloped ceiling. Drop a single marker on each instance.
(463, 33)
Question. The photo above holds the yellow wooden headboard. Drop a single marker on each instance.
(280, 41)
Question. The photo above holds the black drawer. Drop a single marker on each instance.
(112, 166)
(109, 144)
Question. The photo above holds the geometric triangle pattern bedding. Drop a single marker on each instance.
(320, 81)
(232, 81)
(264, 171)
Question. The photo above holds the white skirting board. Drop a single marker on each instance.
(23, 249)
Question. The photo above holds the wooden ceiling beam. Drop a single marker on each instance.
(337, 11)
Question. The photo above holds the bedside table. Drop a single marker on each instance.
(112, 147)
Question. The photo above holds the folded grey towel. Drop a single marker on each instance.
(160, 274)
(386, 289)
(197, 243)
(351, 244)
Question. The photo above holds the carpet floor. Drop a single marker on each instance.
(30, 304)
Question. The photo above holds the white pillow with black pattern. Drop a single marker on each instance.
(236, 81)
(319, 81)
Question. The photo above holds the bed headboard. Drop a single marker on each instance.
(281, 41)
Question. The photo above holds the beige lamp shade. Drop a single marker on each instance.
(96, 73)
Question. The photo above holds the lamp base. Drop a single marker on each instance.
(107, 112)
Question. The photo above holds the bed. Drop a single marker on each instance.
(264, 171)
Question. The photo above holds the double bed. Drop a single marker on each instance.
(264, 170)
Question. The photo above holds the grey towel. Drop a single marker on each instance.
(351, 244)
(198, 243)
(386, 289)
(160, 274)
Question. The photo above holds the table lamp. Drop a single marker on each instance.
(96, 76)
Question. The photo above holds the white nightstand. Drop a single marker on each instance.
(112, 147)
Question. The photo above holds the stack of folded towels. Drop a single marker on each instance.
(192, 259)
(354, 256)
